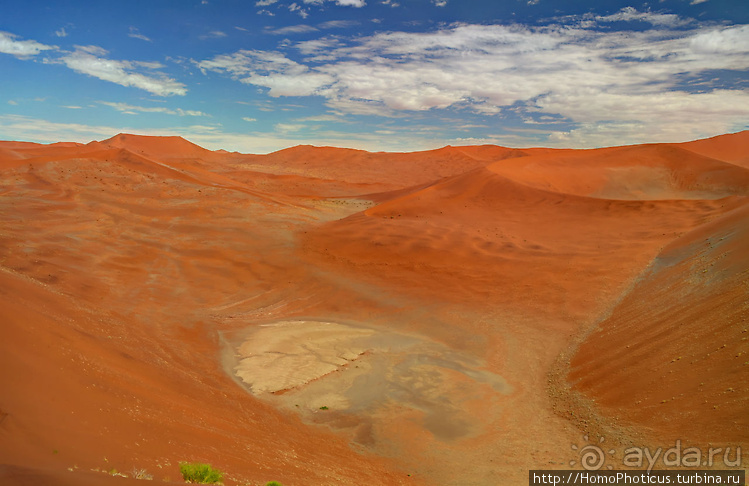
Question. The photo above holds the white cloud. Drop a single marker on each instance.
(344, 3)
(319, 48)
(135, 34)
(721, 41)
(16, 127)
(22, 49)
(248, 119)
(91, 60)
(649, 117)
(697, 2)
(631, 14)
(296, 8)
(299, 6)
(289, 127)
(321, 118)
(351, 3)
(440, 3)
(214, 34)
(584, 75)
(132, 110)
(61, 32)
(338, 24)
(293, 29)
(282, 76)
(182, 112)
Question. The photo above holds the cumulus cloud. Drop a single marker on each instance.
(22, 49)
(92, 60)
(296, 8)
(579, 72)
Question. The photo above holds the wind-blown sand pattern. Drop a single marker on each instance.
(326, 316)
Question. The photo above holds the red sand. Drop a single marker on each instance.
(122, 260)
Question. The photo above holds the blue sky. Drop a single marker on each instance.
(396, 75)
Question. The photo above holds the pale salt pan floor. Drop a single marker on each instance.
(351, 377)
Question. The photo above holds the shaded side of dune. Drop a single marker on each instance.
(673, 357)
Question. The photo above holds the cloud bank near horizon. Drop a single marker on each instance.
(578, 81)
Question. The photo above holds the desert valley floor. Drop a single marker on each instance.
(324, 316)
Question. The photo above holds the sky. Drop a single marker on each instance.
(256, 76)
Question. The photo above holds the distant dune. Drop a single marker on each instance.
(456, 316)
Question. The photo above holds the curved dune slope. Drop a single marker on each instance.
(728, 148)
(485, 237)
(674, 355)
(646, 172)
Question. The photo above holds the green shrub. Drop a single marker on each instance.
(195, 472)
(273, 483)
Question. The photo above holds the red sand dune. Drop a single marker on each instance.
(606, 287)
(674, 354)
(729, 149)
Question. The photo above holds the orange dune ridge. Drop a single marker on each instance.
(481, 308)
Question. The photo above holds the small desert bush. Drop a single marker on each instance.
(195, 472)
(273, 483)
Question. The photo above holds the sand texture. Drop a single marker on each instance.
(322, 316)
